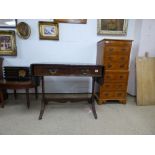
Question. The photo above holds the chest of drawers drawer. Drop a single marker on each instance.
(116, 58)
(115, 65)
(113, 95)
(117, 50)
(115, 76)
(113, 86)
(66, 70)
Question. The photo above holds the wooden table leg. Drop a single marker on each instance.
(36, 92)
(15, 94)
(93, 98)
(43, 99)
(2, 99)
(42, 110)
(28, 98)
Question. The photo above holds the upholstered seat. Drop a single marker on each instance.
(16, 85)
(18, 78)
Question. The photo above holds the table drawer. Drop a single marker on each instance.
(113, 86)
(115, 76)
(67, 70)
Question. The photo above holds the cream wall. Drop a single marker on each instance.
(144, 41)
(147, 41)
(77, 44)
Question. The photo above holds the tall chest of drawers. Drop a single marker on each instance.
(114, 55)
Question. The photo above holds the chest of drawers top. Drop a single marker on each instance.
(66, 70)
(117, 42)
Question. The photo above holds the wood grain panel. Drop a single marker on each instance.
(145, 72)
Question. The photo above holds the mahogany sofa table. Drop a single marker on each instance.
(94, 71)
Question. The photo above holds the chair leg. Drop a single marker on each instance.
(28, 98)
(15, 94)
(36, 92)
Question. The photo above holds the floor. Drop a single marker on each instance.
(76, 118)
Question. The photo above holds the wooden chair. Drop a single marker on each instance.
(18, 78)
(3, 92)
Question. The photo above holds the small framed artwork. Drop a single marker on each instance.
(112, 26)
(7, 43)
(73, 21)
(23, 30)
(8, 23)
(48, 30)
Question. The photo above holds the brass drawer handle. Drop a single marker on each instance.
(119, 94)
(52, 71)
(109, 65)
(122, 66)
(122, 58)
(123, 49)
(106, 94)
(111, 49)
(85, 71)
(110, 58)
(121, 76)
(107, 77)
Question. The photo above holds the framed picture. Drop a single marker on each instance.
(7, 43)
(112, 26)
(73, 21)
(23, 30)
(48, 30)
(8, 23)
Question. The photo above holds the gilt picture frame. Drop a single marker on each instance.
(112, 26)
(8, 43)
(8, 23)
(72, 21)
(48, 30)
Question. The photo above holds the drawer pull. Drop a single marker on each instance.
(109, 65)
(123, 49)
(85, 71)
(106, 94)
(122, 66)
(119, 94)
(52, 71)
(107, 77)
(122, 58)
(110, 58)
(111, 49)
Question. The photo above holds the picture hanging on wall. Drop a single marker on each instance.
(23, 30)
(112, 26)
(8, 23)
(48, 30)
(73, 21)
(7, 43)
